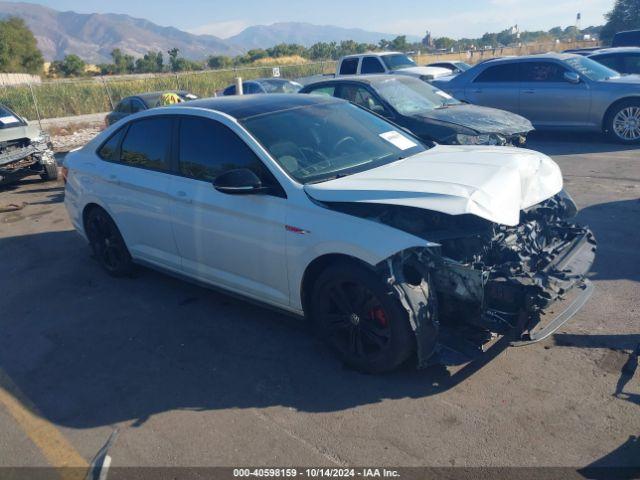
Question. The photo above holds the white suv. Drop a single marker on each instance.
(387, 62)
(317, 207)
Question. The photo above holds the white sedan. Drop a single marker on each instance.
(319, 208)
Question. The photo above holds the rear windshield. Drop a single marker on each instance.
(280, 86)
(400, 60)
(322, 142)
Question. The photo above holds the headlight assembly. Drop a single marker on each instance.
(483, 139)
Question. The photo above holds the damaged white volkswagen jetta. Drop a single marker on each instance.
(317, 207)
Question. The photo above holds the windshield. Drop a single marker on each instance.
(325, 141)
(410, 96)
(591, 69)
(462, 66)
(281, 86)
(396, 61)
(8, 118)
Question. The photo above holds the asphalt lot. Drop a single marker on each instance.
(193, 377)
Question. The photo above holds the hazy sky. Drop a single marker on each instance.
(454, 18)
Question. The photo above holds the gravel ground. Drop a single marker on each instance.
(65, 139)
(193, 377)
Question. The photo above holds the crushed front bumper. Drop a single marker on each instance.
(25, 161)
(467, 308)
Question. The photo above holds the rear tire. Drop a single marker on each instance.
(107, 243)
(360, 318)
(622, 124)
(50, 172)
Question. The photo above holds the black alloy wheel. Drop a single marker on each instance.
(107, 243)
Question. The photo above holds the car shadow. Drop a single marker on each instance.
(615, 226)
(89, 350)
(568, 143)
(608, 467)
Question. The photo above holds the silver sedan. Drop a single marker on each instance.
(555, 91)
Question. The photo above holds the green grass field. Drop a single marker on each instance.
(93, 95)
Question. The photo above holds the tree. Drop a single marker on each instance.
(70, 66)
(321, 50)
(219, 61)
(556, 32)
(173, 59)
(152, 62)
(400, 43)
(18, 48)
(625, 15)
(445, 43)
(122, 63)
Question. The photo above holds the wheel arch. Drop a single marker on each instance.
(317, 266)
(610, 109)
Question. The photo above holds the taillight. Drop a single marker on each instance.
(65, 171)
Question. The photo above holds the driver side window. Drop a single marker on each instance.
(208, 148)
(361, 96)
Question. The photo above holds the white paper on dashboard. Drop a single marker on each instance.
(8, 119)
(398, 140)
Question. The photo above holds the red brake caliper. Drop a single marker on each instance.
(379, 316)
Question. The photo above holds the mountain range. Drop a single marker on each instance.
(93, 36)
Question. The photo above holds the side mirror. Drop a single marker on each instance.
(241, 181)
(571, 77)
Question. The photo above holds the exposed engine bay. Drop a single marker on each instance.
(483, 279)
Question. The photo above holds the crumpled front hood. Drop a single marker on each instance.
(22, 131)
(481, 119)
(494, 183)
(434, 72)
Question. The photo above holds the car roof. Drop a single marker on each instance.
(245, 106)
(616, 50)
(366, 79)
(156, 95)
(538, 56)
(373, 54)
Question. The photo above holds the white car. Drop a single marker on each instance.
(317, 207)
(396, 63)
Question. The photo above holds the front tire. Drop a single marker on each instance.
(50, 172)
(107, 243)
(360, 319)
(623, 122)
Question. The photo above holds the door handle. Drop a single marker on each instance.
(528, 91)
(114, 179)
(477, 90)
(182, 196)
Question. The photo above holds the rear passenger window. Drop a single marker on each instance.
(371, 65)
(507, 72)
(349, 66)
(209, 148)
(109, 149)
(146, 144)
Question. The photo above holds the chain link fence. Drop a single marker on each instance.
(65, 98)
